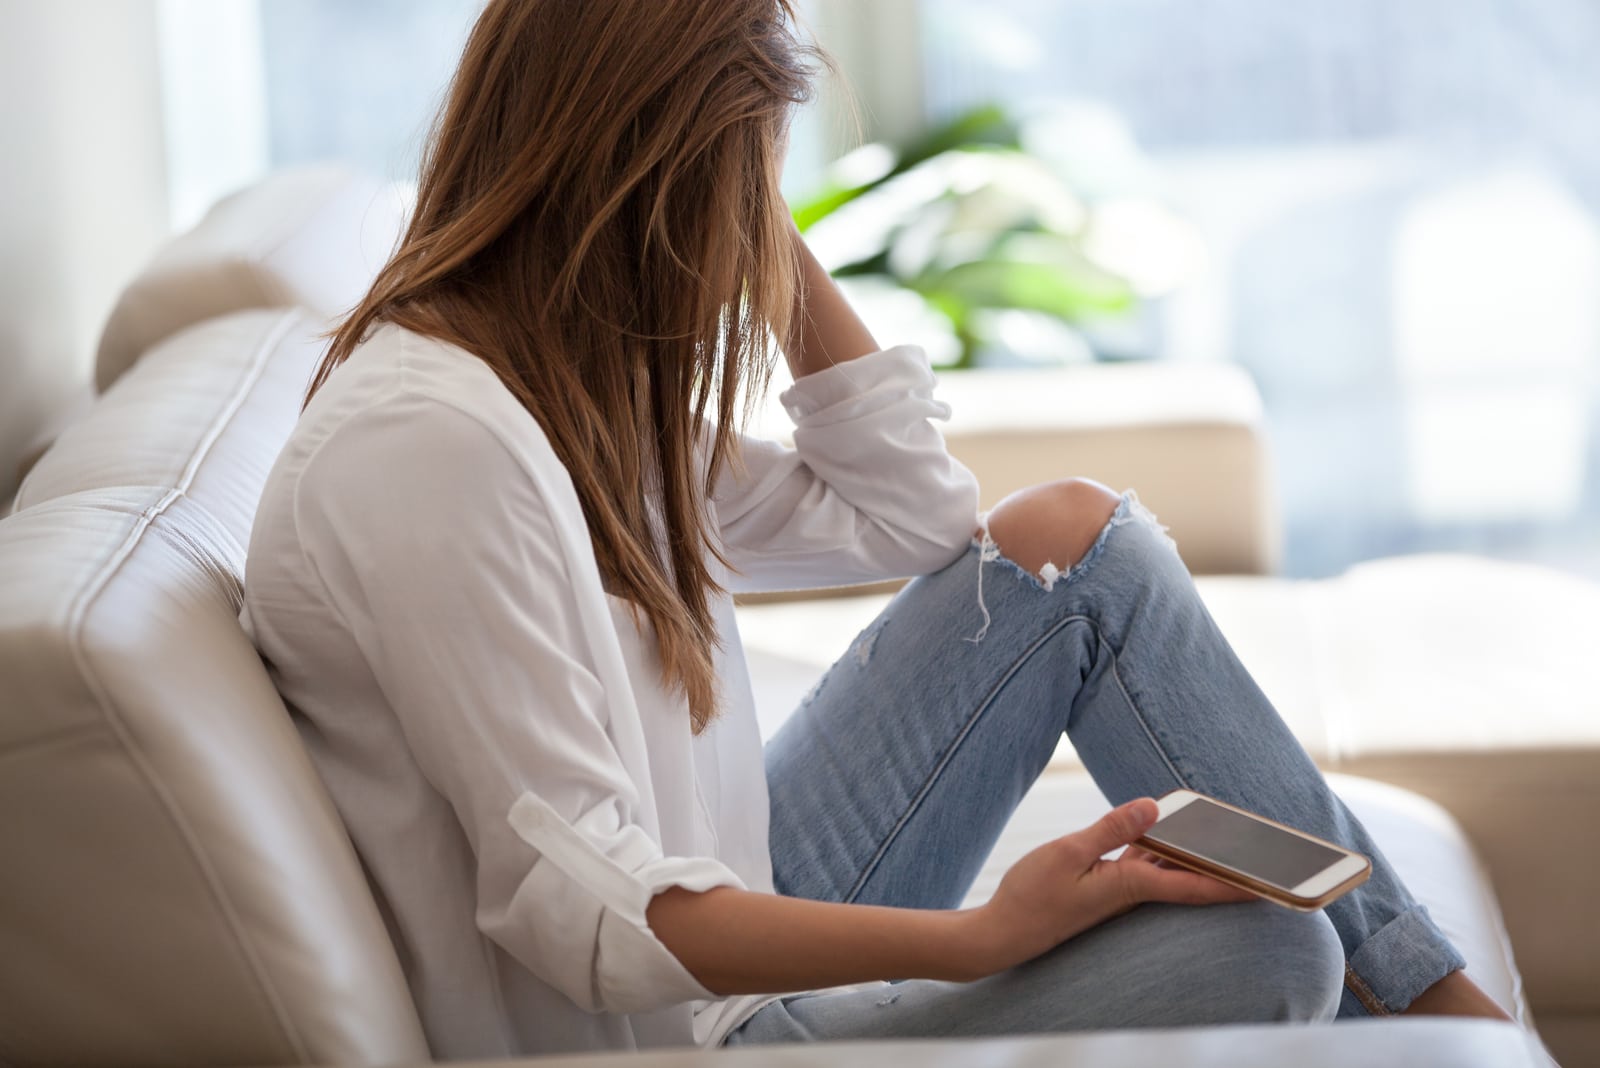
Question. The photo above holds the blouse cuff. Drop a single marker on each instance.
(633, 970)
(858, 387)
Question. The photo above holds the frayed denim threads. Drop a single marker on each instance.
(1129, 510)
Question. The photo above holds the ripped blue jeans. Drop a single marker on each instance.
(892, 782)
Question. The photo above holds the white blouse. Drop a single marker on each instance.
(491, 724)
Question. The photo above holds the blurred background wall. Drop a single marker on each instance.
(83, 195)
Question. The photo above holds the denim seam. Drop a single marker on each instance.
(1375, 950)
(1364, 993)
(1138, 715)
(955, 747)
(1358, 986)
(983, 706)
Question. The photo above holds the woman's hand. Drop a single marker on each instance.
(1064, 888)
(827, 329)
(740, 942)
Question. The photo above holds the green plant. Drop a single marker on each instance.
(970, 223)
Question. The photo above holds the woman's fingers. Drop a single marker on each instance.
(1065, 886)
(1179, 886)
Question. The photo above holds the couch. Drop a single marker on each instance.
(179, 890)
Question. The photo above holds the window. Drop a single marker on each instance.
(358, 80)
(253, 86)
(256, 85)
(1401, 207)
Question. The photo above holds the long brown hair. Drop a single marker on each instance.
(598, 219)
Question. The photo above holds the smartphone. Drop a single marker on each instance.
(1239, 848)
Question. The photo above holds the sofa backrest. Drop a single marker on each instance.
(178, 888)
(309, 238)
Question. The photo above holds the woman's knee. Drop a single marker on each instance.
(1189, 966)
(1287, 966)
(1053, 522)
(1248, 963)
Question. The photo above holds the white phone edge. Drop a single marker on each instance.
(1333, 875)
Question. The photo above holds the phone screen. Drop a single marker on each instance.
(1256, 849)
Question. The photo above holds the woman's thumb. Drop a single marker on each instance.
(1119, 826)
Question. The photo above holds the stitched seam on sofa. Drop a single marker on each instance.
(59, 736)
(76, 620)
(252, 375)
(984, 705)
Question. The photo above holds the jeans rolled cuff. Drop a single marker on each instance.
(1401, 960)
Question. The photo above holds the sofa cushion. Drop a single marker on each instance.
(312, 238)
(178, 886)
(1398, 655)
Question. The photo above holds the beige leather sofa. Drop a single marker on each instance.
(177, 888)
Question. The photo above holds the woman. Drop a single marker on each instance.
(489, 574)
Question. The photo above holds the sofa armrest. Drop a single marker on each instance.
(1189, 437)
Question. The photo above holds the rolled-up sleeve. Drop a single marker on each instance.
(440, 554)
(869, 490)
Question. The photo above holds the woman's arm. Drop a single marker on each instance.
(736, 942)
(440, 540)
(830, 331)
(869, 491)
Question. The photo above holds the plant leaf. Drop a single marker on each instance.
(982, 128)
(1066, 294)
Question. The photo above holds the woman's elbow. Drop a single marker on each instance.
(937, 545)
(953, 529)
